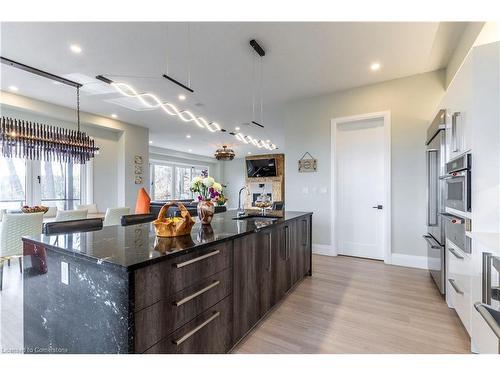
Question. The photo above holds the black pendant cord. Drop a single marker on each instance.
(78, 108)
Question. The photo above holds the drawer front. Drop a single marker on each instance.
(459, 283)
(159, 320)
(461, 301)
(162, 279)
(209, 333)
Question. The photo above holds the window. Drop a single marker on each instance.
(12, 183)
(33, 182)
(173, 181)
(60, 184)
(162, 182)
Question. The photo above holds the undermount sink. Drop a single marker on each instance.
(255, 217)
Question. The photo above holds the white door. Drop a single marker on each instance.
(360, 188)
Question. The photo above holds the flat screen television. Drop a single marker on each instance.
(261, 168)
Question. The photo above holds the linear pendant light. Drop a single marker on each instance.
(152, 101)
(260, 51)
(173, 80)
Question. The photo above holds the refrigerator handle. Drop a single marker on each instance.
(432, 188)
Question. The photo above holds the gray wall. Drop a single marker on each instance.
(234, 179)
(412, 102)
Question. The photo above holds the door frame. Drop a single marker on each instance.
(335, 122)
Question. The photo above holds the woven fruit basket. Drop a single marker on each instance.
(34, 209)
(173, 226)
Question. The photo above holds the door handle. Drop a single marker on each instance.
(378, 207)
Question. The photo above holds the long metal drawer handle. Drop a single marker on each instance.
(454, 252)
(181, 339)
(196, 294)
(492, 323)
(429, 240)
(454, 285)
(194, 260)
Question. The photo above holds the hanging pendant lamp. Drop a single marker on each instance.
(224, 153)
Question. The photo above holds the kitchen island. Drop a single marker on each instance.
(123, 290)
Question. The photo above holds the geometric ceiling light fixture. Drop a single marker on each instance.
(224, 153)
(173, 80)
(35, 141)
(152, 101)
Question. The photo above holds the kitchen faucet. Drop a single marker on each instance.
(241, 210)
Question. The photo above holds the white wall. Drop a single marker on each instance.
(412, 102)
(114, 182)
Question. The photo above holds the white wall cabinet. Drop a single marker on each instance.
(473, 124)
(458, 102)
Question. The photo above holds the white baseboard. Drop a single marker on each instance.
(322, 249)
(406, 260)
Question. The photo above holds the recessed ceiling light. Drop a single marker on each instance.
(237, 128)
(150, 142)
(114, 115)
(182, 97)
(249, 153)
(188, 136)
(375, 66)
(75, 48)
(190, 150)
(268, 140)
(13, 88)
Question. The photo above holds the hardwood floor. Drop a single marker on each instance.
(353, 305)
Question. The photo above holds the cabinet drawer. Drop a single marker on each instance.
(461, 300)
(209, 333)
(162, 279)
(459, 283)
(159, 320)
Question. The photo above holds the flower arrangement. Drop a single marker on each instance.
(207, 189)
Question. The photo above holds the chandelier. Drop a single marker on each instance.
(224, 153)
(35, 141)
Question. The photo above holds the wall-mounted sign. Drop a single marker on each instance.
(307, 164)
(138, 169)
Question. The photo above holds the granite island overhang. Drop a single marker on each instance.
(124, 290)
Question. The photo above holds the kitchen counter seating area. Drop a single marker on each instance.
(121, 289)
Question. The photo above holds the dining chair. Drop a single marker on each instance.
(65, 215)
(51, 212)
(91, 208)
(12, 228)
(114, 215)
(137, 219)
(71, 226)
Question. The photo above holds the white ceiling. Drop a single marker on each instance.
(302, 60)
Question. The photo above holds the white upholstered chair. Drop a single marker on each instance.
(91, 208)
(12, 228)
(52, 212)
(65, 215)
(114, 215)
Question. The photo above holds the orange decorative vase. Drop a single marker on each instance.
(206, 210)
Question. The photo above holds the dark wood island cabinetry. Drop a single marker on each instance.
(129, 292)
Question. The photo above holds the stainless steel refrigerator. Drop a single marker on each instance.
(435, 237)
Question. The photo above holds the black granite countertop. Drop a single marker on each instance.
(135, 246)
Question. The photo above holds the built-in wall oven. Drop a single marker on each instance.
(455, 228)
(458, 183)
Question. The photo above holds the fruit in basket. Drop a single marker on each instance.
(34, 209)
